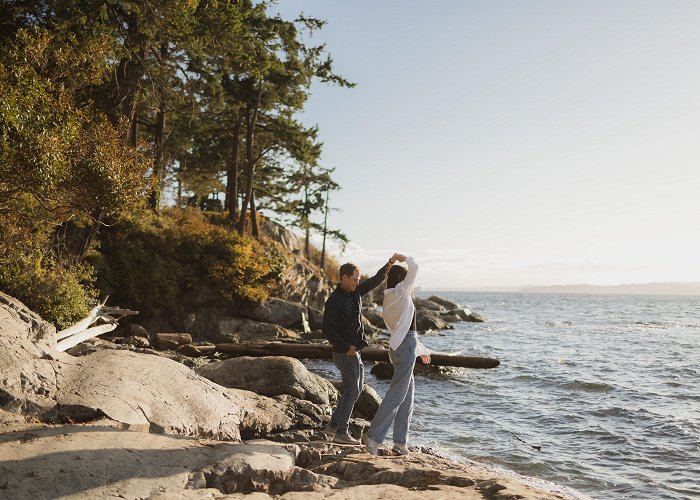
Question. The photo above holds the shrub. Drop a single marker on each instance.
(60, 295)
(150, 262)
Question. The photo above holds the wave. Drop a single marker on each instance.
(578, 385)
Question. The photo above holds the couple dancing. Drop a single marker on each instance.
(342, 326)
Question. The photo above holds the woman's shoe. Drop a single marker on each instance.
(401, 449)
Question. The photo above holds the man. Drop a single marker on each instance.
(342, 326)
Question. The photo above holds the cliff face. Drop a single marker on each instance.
(303, 282)
(302, 290)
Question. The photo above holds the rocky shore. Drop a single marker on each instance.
(119, 420)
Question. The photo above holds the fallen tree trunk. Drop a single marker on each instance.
(323, 351)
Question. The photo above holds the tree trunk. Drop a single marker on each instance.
(128, 80)
(159, 139)
(232, 172)
(307, 229)
(251, 118)
(325, 230)
(179, 185)
(254, 217)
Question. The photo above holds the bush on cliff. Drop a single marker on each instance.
(149, 262)
(30, 272)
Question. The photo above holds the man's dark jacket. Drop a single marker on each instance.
(342, 315)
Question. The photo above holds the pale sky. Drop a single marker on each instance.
(512, 143)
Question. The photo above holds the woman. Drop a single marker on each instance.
(397, 405)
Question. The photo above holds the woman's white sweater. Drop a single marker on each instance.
(398, 309)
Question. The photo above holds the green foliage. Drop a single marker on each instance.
(60, 296)
(58, 160)
(153, 262)
(99, 100)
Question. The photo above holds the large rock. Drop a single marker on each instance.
(139, 390)
(217, 328)
(157, 393)
(367, 404)
(447, 304)
(374, 316)
(103, 462)
(270, 376)
(98, 461)
(27, 382)
(427, 305)
(430, 320)
(274, 310)
(315, 317)
(475, 317)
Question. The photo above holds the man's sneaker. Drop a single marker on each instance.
(401, 449)
(344, 439)
(330, 431)
(371, 445)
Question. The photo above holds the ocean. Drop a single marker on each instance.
(598, 393)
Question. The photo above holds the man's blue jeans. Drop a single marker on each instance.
(397, 405)
(352, 372)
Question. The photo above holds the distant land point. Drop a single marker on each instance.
(667, 288)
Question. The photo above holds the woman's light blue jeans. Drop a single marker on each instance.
(397, 405)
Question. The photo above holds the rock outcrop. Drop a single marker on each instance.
(104, 461)
(151, 420)
(271, 376)
(274, 310)
(218, 328)
(139, 390)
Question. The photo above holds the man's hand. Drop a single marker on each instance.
(425, 358)
(352, 351)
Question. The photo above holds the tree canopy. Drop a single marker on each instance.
(107, 105)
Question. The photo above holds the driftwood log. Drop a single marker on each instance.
(323, 351)
(81, 331)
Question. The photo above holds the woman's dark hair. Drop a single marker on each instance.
(395, 275)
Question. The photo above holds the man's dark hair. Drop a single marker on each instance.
(395, 275)
(348, 269)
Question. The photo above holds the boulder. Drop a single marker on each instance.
(443, 302)
(374, 316)
(475, 317)
(370, 329)
(315, 318)
(219, 329)
(106, 462)
(367, 404)
(160, 394)
(450, 317)
(270, 376)
(273, 310)
(27, 382)
(429, 305)
(137, 331)
(138, 390)
(134, 341)
(462, 313)
(383, 370)
(430, 320)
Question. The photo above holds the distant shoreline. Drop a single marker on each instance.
(668, 288)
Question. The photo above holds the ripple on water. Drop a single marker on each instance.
(578, 385)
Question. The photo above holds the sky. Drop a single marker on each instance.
(514, 143)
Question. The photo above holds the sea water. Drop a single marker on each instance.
(598, 393)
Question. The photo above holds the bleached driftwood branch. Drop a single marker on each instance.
(81, 331)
